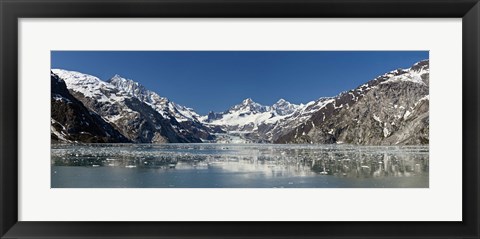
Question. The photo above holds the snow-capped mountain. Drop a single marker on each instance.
(272, 131)
(72, 122)
(128, 106)
(248, 106)
(259, 123)
(186, 117)
(283, 107)
(247, 115)
(248, 120)
(161, 104)
(390, 109)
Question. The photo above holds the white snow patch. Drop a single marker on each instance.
(58, 97)
(376, 118)
(386, 132)
(410, 76)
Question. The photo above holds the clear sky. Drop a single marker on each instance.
(216, 80)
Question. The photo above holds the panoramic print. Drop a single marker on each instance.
(239, 119)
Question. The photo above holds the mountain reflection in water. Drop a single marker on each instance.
(256, 162)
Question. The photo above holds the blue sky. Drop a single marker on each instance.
(217, 80)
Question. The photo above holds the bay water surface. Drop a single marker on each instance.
(238, 166)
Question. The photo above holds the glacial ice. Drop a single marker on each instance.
(340, 160)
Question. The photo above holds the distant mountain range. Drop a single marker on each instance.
(391, 109)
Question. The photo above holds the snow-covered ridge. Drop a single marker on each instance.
(249, 106)
(410, 76)
(132, 88)
(88, 85)
(118, 88)
(283, 107)
(252, 114)
(160, 104)
(413, 74)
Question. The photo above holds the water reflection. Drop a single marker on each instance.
(269, 160)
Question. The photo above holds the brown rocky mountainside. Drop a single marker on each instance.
(392, 109)
(71, 121)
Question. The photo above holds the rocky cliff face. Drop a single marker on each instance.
(391, 109)
(71, 121)
(135, 119)
(186, 118)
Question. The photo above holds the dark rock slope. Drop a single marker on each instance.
(134, 119)
(71, 121)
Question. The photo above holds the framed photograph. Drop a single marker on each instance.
(260, 119)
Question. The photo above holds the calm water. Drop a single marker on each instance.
(238, 166)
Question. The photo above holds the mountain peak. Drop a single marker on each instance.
(283, 107)
(248, 105)
(127, 85)
(247, 101)
(421, 65)
(118, 78)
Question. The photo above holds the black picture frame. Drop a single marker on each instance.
(12, 10)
